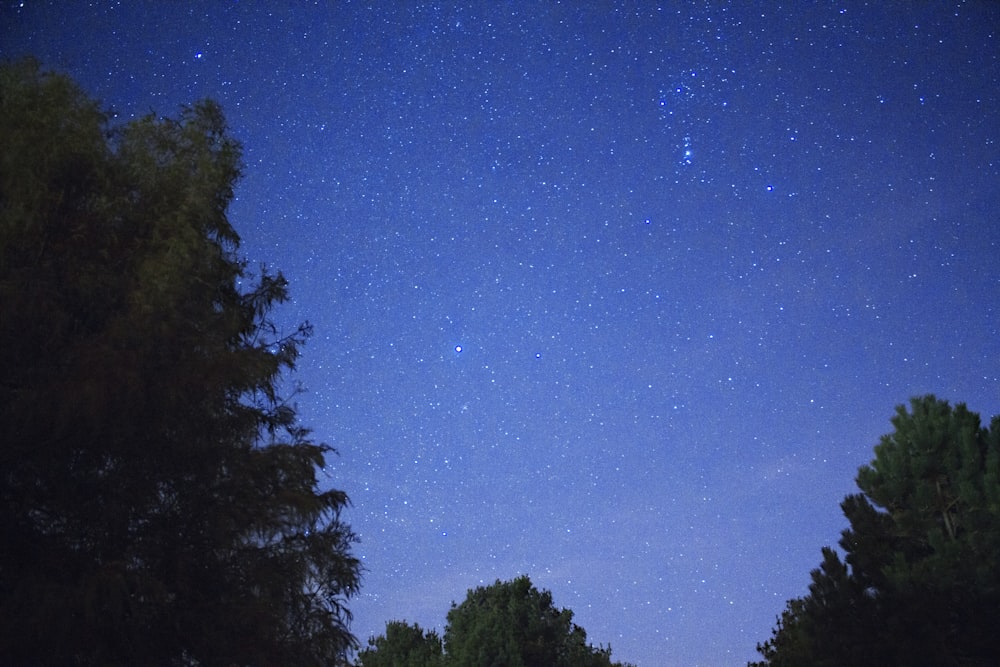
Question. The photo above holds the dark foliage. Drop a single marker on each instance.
(403, 645)
(508, 624)
(920, 584)
(159, 504)
(513, 624)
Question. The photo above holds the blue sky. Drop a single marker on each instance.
(616, 296)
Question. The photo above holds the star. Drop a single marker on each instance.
(528, 211)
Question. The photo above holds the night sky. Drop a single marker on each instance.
(615, 295)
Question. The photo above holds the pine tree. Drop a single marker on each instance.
(920, 583)
(159, 502)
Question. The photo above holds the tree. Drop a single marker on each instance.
(159, 502)
(513, 624)
(920, 583)
(403, 645)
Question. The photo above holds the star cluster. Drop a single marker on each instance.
(616, 295)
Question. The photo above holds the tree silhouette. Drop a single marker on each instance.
(159, 503)
(403, 645)
(513, 624)
(920, 583)
(507, 624)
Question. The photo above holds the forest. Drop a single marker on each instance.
(160, 502)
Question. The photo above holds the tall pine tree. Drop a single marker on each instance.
(920, 582)
(159, 503)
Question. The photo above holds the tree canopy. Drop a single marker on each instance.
(920, 582)
(403, 645)
(506, 624)
(159, 502)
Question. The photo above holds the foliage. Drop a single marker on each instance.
(403, 645)
(507, 624)
(513, 624)
(920, 583)
(159, 503)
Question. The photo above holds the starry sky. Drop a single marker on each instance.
(618, 295)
